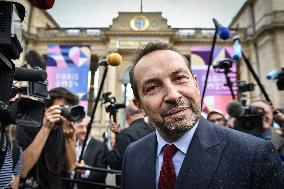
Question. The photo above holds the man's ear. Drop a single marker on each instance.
(139, 105)
(195, 80)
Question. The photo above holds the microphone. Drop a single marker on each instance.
(26, 74)
(223, 32)
(42, 4)
(237, 48)
(235, 109)
(274, 74)
(114, 59)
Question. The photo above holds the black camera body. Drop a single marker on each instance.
(11, 14)
(27, 110)
(250, 120)
(245, 87)
(74, 113)
(225, 64)
(113, 106)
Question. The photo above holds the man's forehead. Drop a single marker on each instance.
(260, 104)
(156, 62)
(161, 54)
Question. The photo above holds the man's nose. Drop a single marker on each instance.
(172, 93)
(84, 129)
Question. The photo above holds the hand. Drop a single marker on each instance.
(112, 142)
(51, 116)
(277, 115)
(81, 164)
(68, 128)
(115, 128)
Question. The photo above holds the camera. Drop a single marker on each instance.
(248, 118)
(113, 107)
(28, 109)
(74, 113)
(245, 87)
(223, 65)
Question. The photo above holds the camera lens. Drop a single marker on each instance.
(76, 115)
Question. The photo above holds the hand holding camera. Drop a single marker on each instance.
(51, 116)
(68, 128)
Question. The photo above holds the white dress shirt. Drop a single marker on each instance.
(182, 145)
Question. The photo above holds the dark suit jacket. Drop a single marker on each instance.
(95, 156)
(137, 129)
(217, 157)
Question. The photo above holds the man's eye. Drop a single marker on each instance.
(182, 78)
(149, 89)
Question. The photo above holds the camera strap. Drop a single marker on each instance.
(4, 143)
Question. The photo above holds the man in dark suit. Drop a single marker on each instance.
(137, 129)
(187, 151)
(95, 155)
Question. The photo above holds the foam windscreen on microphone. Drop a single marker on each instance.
(237, 49)
(235, 109)
(26, 74)
(224, 33)
(272, 74)
(114, 59)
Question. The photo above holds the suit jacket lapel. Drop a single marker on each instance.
(89, 150)
(148, 164)
(202, 158)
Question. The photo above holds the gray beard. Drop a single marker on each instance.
(175, 130)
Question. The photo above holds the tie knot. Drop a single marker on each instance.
(169, 151)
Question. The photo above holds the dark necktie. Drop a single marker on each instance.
(167, 174)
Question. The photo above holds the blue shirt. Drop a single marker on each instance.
(182, 145)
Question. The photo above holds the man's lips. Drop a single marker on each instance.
(176, 112)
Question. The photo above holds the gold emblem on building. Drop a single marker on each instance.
(139, 23)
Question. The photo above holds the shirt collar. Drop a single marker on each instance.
(182, 143)
(78, 143)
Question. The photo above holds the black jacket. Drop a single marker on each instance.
(136, 130)
(95, 156)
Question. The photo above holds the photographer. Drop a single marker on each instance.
(49, 151)
(267, 131)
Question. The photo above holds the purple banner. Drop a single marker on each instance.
(217, 95)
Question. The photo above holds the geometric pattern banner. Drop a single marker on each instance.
(68, 66)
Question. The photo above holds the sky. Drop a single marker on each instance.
(179, 13)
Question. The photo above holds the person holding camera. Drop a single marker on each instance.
(49, 151)
(268, 131)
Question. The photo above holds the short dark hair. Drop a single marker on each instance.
(62, 93)
(131, 110)
(144, 50)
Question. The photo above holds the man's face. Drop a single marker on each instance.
(217, 118)
(168, 92)
(81, 129)
(60, 101)
(268, 115)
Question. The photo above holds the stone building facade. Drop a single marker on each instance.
(259, 23)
